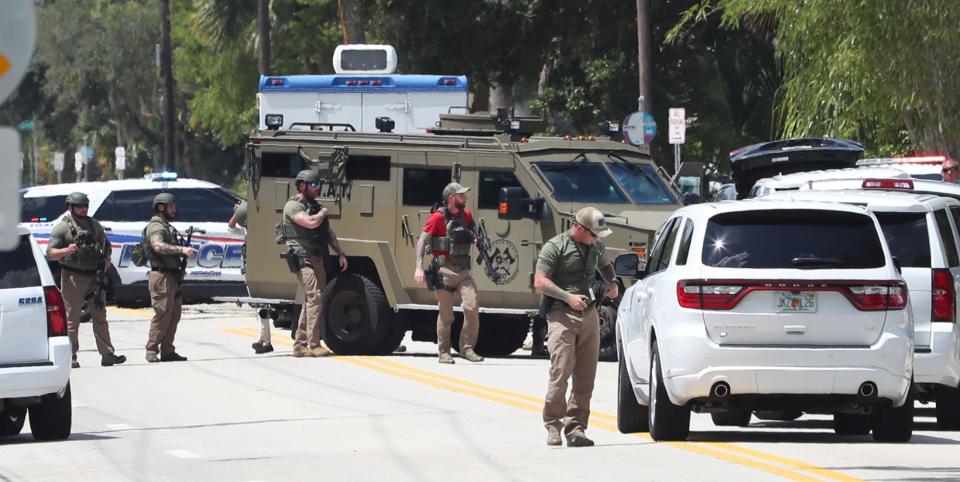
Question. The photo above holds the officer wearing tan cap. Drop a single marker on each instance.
(449, 233)
(565, 273)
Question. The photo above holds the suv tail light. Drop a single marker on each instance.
(906, 184)
(56, 313)
(726, 294)
(944, 296)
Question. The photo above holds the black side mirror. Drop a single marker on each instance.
(627, 265)
(514, 204)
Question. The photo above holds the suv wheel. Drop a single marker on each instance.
(51, 418)
(894, 424)
(948, 408)
(667, 421)
(356, 318)
(851, 424)
(631, 416)
(731, 418)
(11, 421)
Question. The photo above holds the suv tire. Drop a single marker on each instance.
(631, 416)
(667, 421)
(894, 424)
(356, 317)
(11, 421)
(731, 418)
(52, 417)
(948, 408)
(851, 424)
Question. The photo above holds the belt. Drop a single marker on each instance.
(165, 270)
(78, 271)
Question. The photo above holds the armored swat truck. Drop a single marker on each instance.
(380, 188)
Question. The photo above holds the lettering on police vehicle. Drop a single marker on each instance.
(30, 300)
(209, 255)
(505, 260)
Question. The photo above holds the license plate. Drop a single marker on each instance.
(796, 301)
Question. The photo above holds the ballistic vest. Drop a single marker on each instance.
(458, 240)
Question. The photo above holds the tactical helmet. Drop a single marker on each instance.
(164, 198)
(77, 198)
(307, 175)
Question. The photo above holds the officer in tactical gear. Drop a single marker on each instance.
(79, 242)
(565, 274)
(307, 233)
(449, 233)
(164, 282)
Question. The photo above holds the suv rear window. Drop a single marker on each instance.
(906, 234)
(18, 267)
(194, 205)
(794, 238)
(41, 208)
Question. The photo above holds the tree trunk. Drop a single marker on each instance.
(644, 61)
(263, 28)
(500, 97)
(166, 71)
(354, 27)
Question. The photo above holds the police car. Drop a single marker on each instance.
(800, 180)
(919, 167)
(123, 207)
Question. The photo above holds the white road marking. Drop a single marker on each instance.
(119, 426)
(183, 454)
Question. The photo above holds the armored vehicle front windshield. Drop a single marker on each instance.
(586, 182)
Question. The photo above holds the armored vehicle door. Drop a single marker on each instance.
(423, 176)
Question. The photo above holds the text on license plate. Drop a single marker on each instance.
(796, 301)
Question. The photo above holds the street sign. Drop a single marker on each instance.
(18, 30)
(78, 163)
(639, 128)
(58, 161)
(678, 126)
(121, 155)
(9, 188)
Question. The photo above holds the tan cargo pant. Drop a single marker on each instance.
(460, 281)
(313, 278)
(75, 287)
(573, 338)
(166, 303)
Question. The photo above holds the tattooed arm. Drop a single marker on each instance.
(161, 247)
(422, 245)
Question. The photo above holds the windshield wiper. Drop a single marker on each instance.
(577, 160)
(813, 261)
(633, 167)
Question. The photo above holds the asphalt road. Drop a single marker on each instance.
(230, 415)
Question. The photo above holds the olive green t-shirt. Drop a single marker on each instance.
(562, 262)
(87, 256)
(305, 241)
(160, 226)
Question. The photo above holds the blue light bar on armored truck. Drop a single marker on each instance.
(363, 83)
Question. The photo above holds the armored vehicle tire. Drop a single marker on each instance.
(631, 416)
(731, 418)
(851, 424)
(500, 335)
(667, 421)
(356, 317)
(948, 408)
(894, 424)
(51, 419)
(11, 421)
(608, 335)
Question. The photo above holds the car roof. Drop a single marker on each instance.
(796, 179)
(706, 210)
(920, 186)
(117, 185)
(872, 199)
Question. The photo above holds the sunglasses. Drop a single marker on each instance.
(81, 206)
(314, 185)
(949, 169)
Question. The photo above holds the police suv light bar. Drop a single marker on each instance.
(161, 176)
(905, 184)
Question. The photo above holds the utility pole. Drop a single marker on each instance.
(263, 27)
(166, 71)
(644, 62)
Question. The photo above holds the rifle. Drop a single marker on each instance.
(183, 258)
(98, 286)
(483, 246)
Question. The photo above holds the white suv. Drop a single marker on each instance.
(766, 305)
(35, 352)
(921, 231)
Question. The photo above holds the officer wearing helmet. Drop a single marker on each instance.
(165, 294)
(449, 233)
(78, 242)
(306, 230)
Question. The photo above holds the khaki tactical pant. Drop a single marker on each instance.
(75, 287)
(573, 338)
(166, 302)
(460, 281)
(313, 278)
